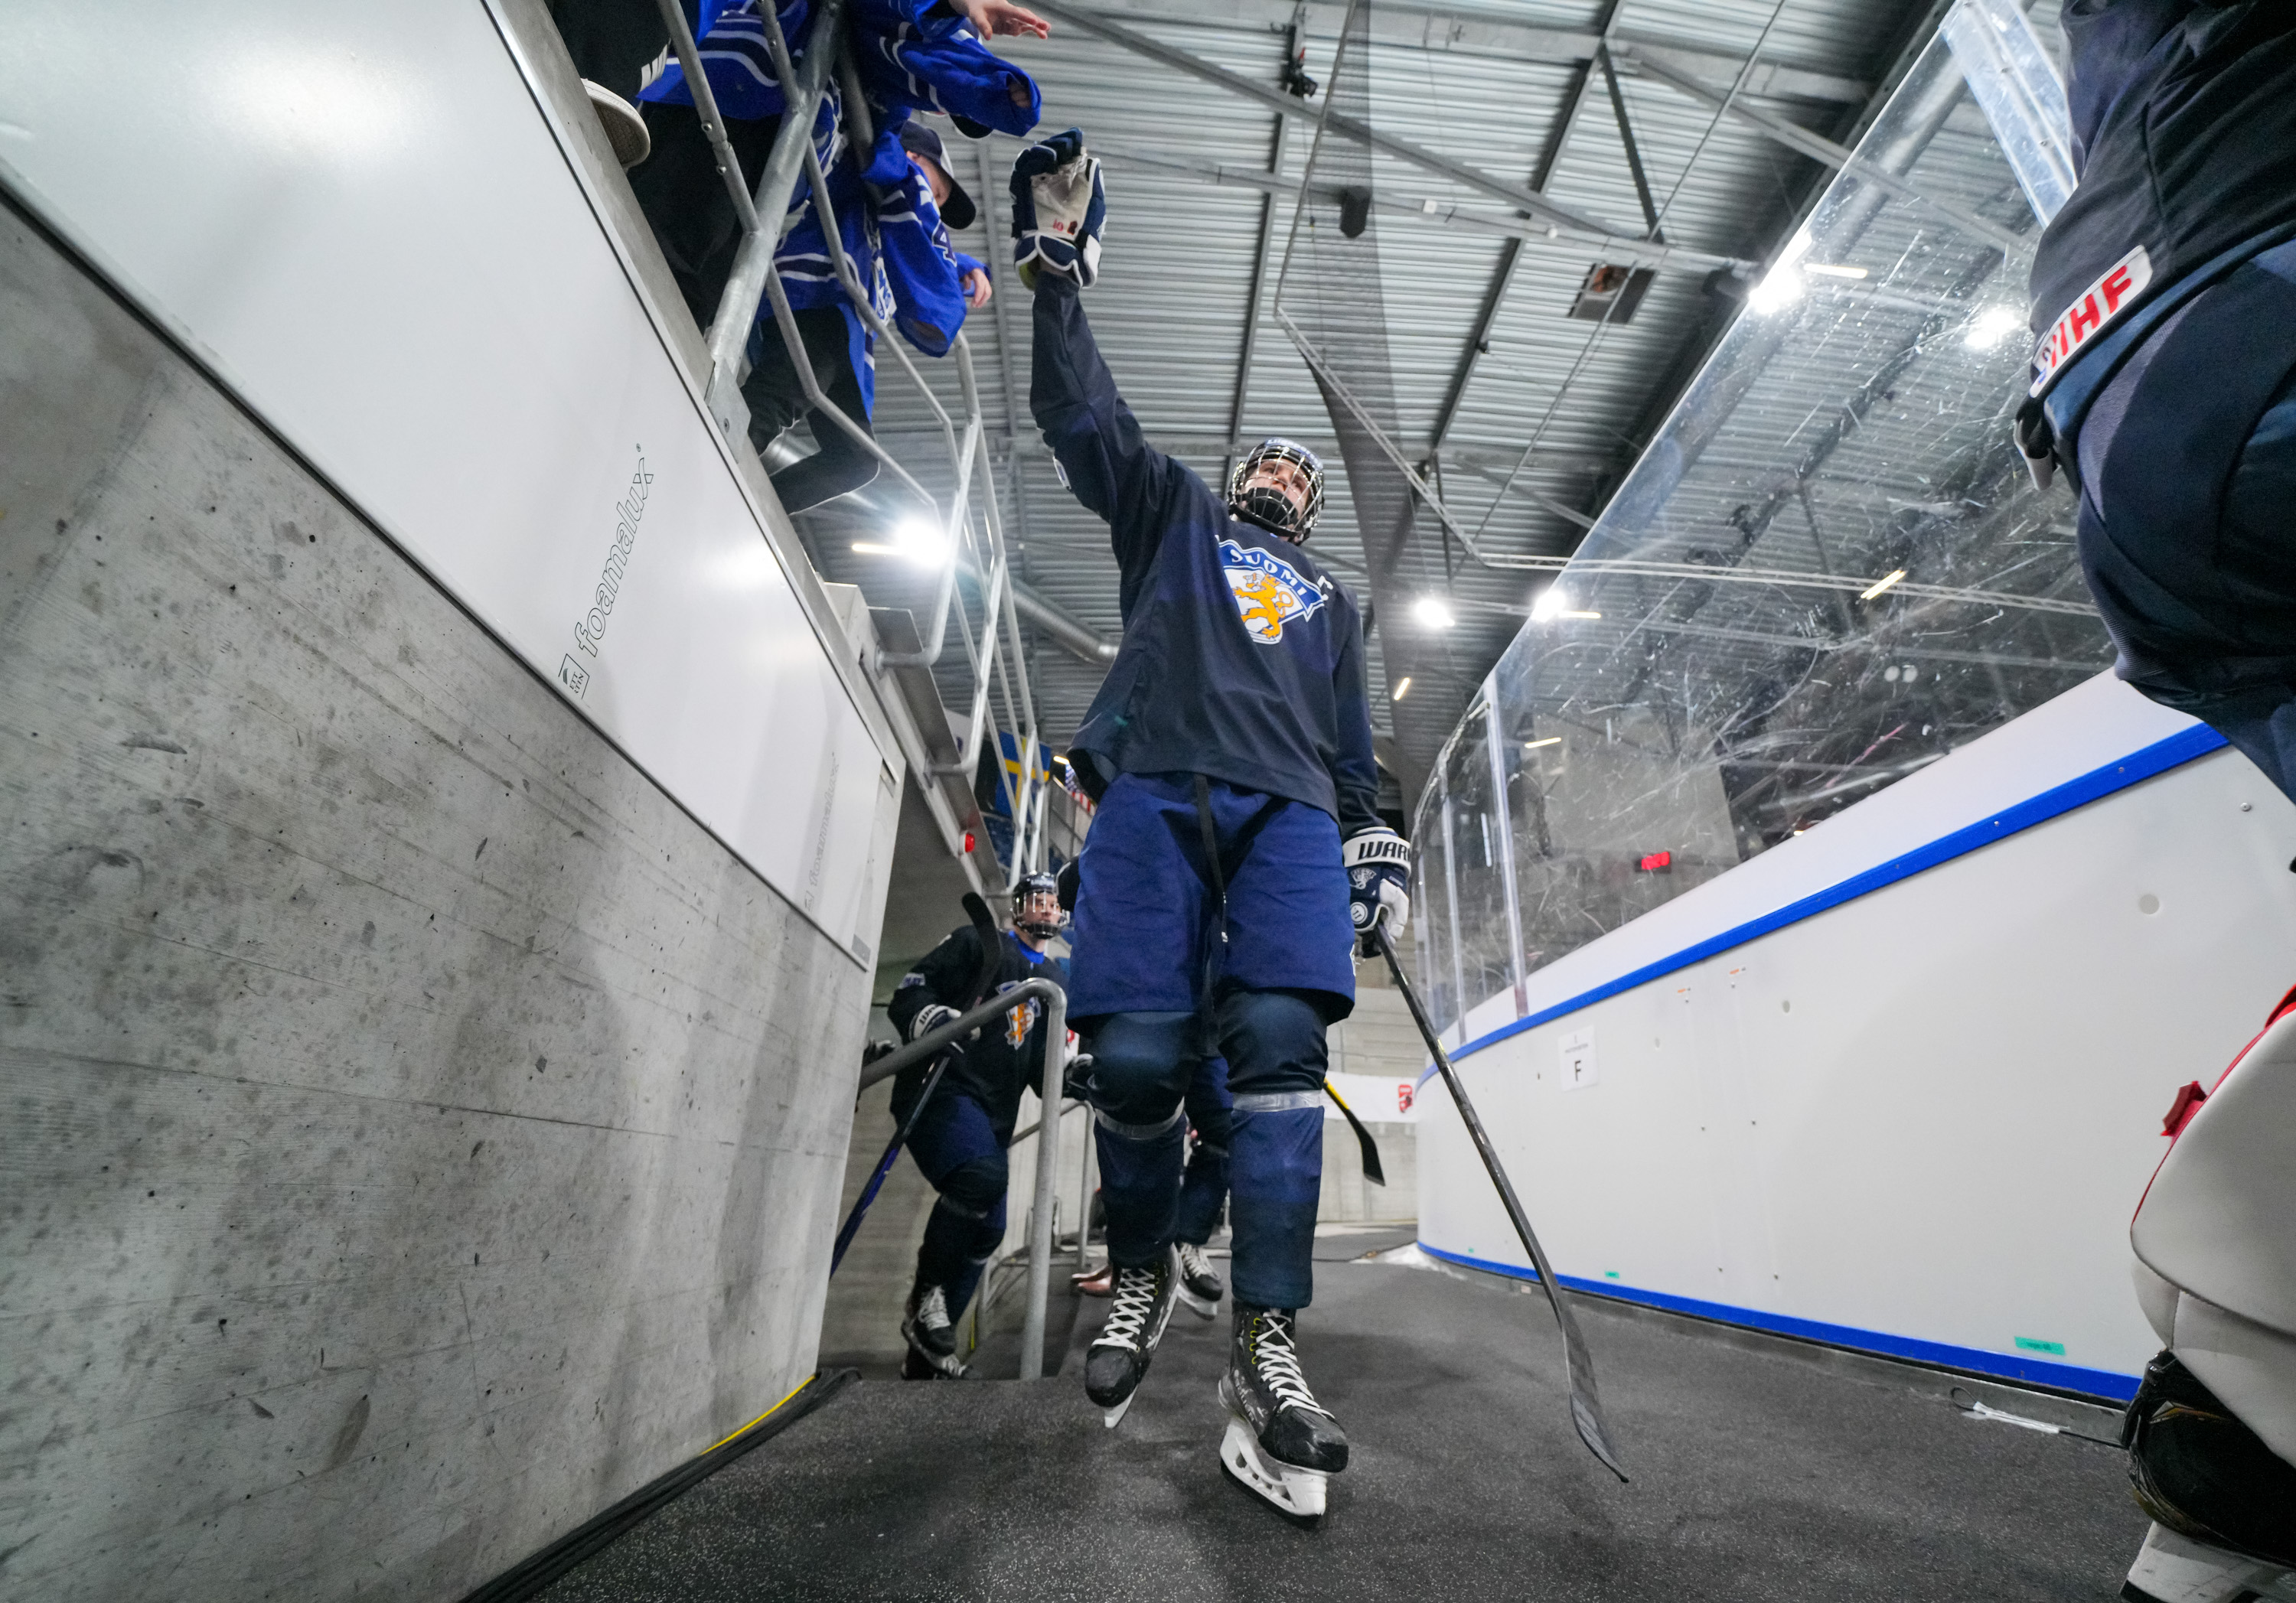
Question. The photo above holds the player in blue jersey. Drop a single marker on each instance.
(1236, 858)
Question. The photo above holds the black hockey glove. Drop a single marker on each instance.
(1059, 209)
(1379, 870)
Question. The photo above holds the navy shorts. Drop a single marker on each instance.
(1144, 906)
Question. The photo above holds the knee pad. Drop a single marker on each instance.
(1140, 1064)
(976, 1188)
(1275, 1046)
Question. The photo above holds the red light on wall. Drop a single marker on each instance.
(968, 843)
(1656, 862)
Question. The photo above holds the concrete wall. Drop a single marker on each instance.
(418, 1132)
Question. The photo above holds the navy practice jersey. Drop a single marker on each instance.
(1242, 660)
(2183, 122)
(1007, 1056)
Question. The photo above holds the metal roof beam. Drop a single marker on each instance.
(1479, 338)
(1435, 26)
(1819, 147)
(1626, 249)
(1262, 253)
(1402, 149)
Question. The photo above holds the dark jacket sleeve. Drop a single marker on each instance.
(1095, 439)
(2108, 42)
(944, 975)
(1354, 770)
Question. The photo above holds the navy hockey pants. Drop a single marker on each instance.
(956, 1147)
(1203, 1189)
(2187, 527)
(1141, 1067)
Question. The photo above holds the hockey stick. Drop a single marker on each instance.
(984, 925)
(1371, 1165)
(1586, 1406)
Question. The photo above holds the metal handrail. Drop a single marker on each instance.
(765, 217)
(1048, 1138)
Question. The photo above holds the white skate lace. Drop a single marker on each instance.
(1193, 1261)
(932, 1312)
(1134, 1301)
(1278, 1363)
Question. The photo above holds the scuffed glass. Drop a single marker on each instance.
(1476, 836)
(1828, 570)
(1433, 918)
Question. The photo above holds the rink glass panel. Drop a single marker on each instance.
(1738, 687)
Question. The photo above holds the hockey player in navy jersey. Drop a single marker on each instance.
(2164, 385)
(961, 1135)
(1235, 860)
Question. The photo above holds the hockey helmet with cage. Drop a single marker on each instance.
(1268, 507)
(1029, 897)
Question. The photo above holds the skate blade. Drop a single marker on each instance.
(1197, 1306)
(1296, 1494)
(1110, 1418)
(2175, 1569)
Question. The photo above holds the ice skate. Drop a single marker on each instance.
(1201, 1287)
(933, 1339)
(1117, 1362)
(2176, 1569)
(1281, 1443)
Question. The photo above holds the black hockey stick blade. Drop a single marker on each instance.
(1372, 1169)
(1585, 1402)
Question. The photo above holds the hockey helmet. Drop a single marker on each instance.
(1037, 906)
(1266, 505)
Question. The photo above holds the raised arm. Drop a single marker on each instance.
(1097, 441)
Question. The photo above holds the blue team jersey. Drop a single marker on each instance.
(923, 270)
(732, 45)
(1241, 660)
(919, 55)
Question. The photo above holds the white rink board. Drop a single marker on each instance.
(357, 218)
(1926, 1114)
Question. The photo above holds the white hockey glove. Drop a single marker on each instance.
(1378, 867)
(1059, 209)
(930, 1018)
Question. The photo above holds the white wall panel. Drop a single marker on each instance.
(357, 216)
(1919, 1121)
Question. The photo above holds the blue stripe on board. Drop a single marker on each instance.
(2107, 1384)
(2134, 769)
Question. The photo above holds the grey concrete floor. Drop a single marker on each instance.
(1760, 1474)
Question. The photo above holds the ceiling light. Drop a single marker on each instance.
(1402, 688)
(1783, 284)
(1551, 600)
(1535, 745)
(920, 540)
(1881, 583)
(1991, 326)
(1432, 612)
(870, 548)
(1570, 614)
(1780, 288)
(1828, 270)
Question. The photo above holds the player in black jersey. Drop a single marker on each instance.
(961, 1135)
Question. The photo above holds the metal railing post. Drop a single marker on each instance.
(754, 280)
(753, 264)
(1048, 1156)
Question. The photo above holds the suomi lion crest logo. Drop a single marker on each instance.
(1268, 591)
